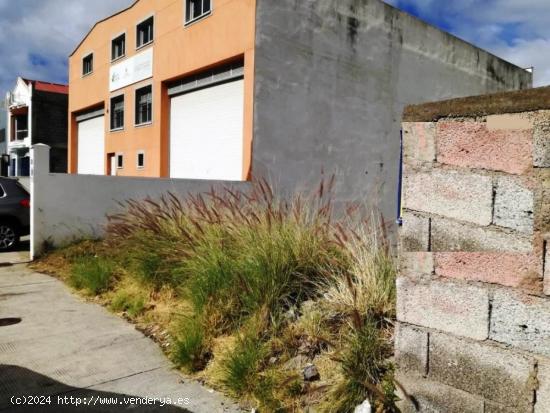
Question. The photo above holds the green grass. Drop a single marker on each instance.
(132, 304)
(241, 366)
(190, 349)
(91, 274)
(367, 372)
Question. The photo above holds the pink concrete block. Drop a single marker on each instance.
(509, 269)
(472, 145)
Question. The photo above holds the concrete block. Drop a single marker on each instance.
(508, 269)
(418, 142)
(521, 321)
(455, 308)
(492, 407)
(414, 234)
(411, 349)
(463, 196)
(447, 235)
(428, 396)
(541, 150)
(473, 145)
(543, 393)
(416, 264)
(499, 375)
(510, 121)
(514, 205)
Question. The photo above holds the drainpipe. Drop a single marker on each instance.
(399, 219)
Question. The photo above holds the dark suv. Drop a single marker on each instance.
(14, 213)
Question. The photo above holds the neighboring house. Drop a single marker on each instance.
(3, 144)
(228, 89)
(36, 113)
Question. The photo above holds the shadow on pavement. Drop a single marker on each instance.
(18, 383)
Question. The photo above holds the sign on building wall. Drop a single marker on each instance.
(132, 70)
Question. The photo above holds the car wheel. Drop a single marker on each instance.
(9, 236)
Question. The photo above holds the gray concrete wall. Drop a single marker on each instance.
(67, 207)
(332, 78)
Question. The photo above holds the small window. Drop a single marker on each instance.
(117, 112)
(120, 161)
(195, 9)
(144, 105)
(88, 64)
(144, 33)
(118, 47)
(141, 160)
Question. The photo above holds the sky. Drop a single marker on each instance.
(36, 36)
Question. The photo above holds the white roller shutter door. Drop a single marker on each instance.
(206, 133)
(91, 146)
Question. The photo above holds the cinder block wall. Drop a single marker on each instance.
(473, 302)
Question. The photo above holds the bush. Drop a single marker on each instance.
(134, 305)
(237, 252)
(245, 257)
(93, 274)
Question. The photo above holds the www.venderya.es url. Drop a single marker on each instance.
(98, 401)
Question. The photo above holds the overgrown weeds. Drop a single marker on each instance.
(290, 282)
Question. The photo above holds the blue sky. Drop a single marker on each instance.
(36, 36)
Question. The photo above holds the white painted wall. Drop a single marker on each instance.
(66, 208)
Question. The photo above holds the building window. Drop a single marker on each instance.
(21, 127)
(118, 47)
(195, 9)
(140, 160)
(120, 161)
(88, 64)
(144, 33)
(144, 104)
(117, 112)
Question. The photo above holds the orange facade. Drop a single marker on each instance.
(179, 50)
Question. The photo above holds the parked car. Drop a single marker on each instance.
(14, 213)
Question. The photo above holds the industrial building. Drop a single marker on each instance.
(230, 89)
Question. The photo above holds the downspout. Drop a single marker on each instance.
(399, 219)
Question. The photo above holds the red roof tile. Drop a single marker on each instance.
(48, 87)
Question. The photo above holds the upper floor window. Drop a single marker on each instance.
(118, 47)
(144, 104)
(88, 64)
(195, 9)
(144, 32)
(117, 112)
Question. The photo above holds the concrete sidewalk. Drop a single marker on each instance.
(66, 347)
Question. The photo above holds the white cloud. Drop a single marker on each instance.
(526, 53)
(37, 36)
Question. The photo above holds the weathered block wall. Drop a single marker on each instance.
(474, 287)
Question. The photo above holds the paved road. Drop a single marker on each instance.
(65, 347)
(20, 255)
